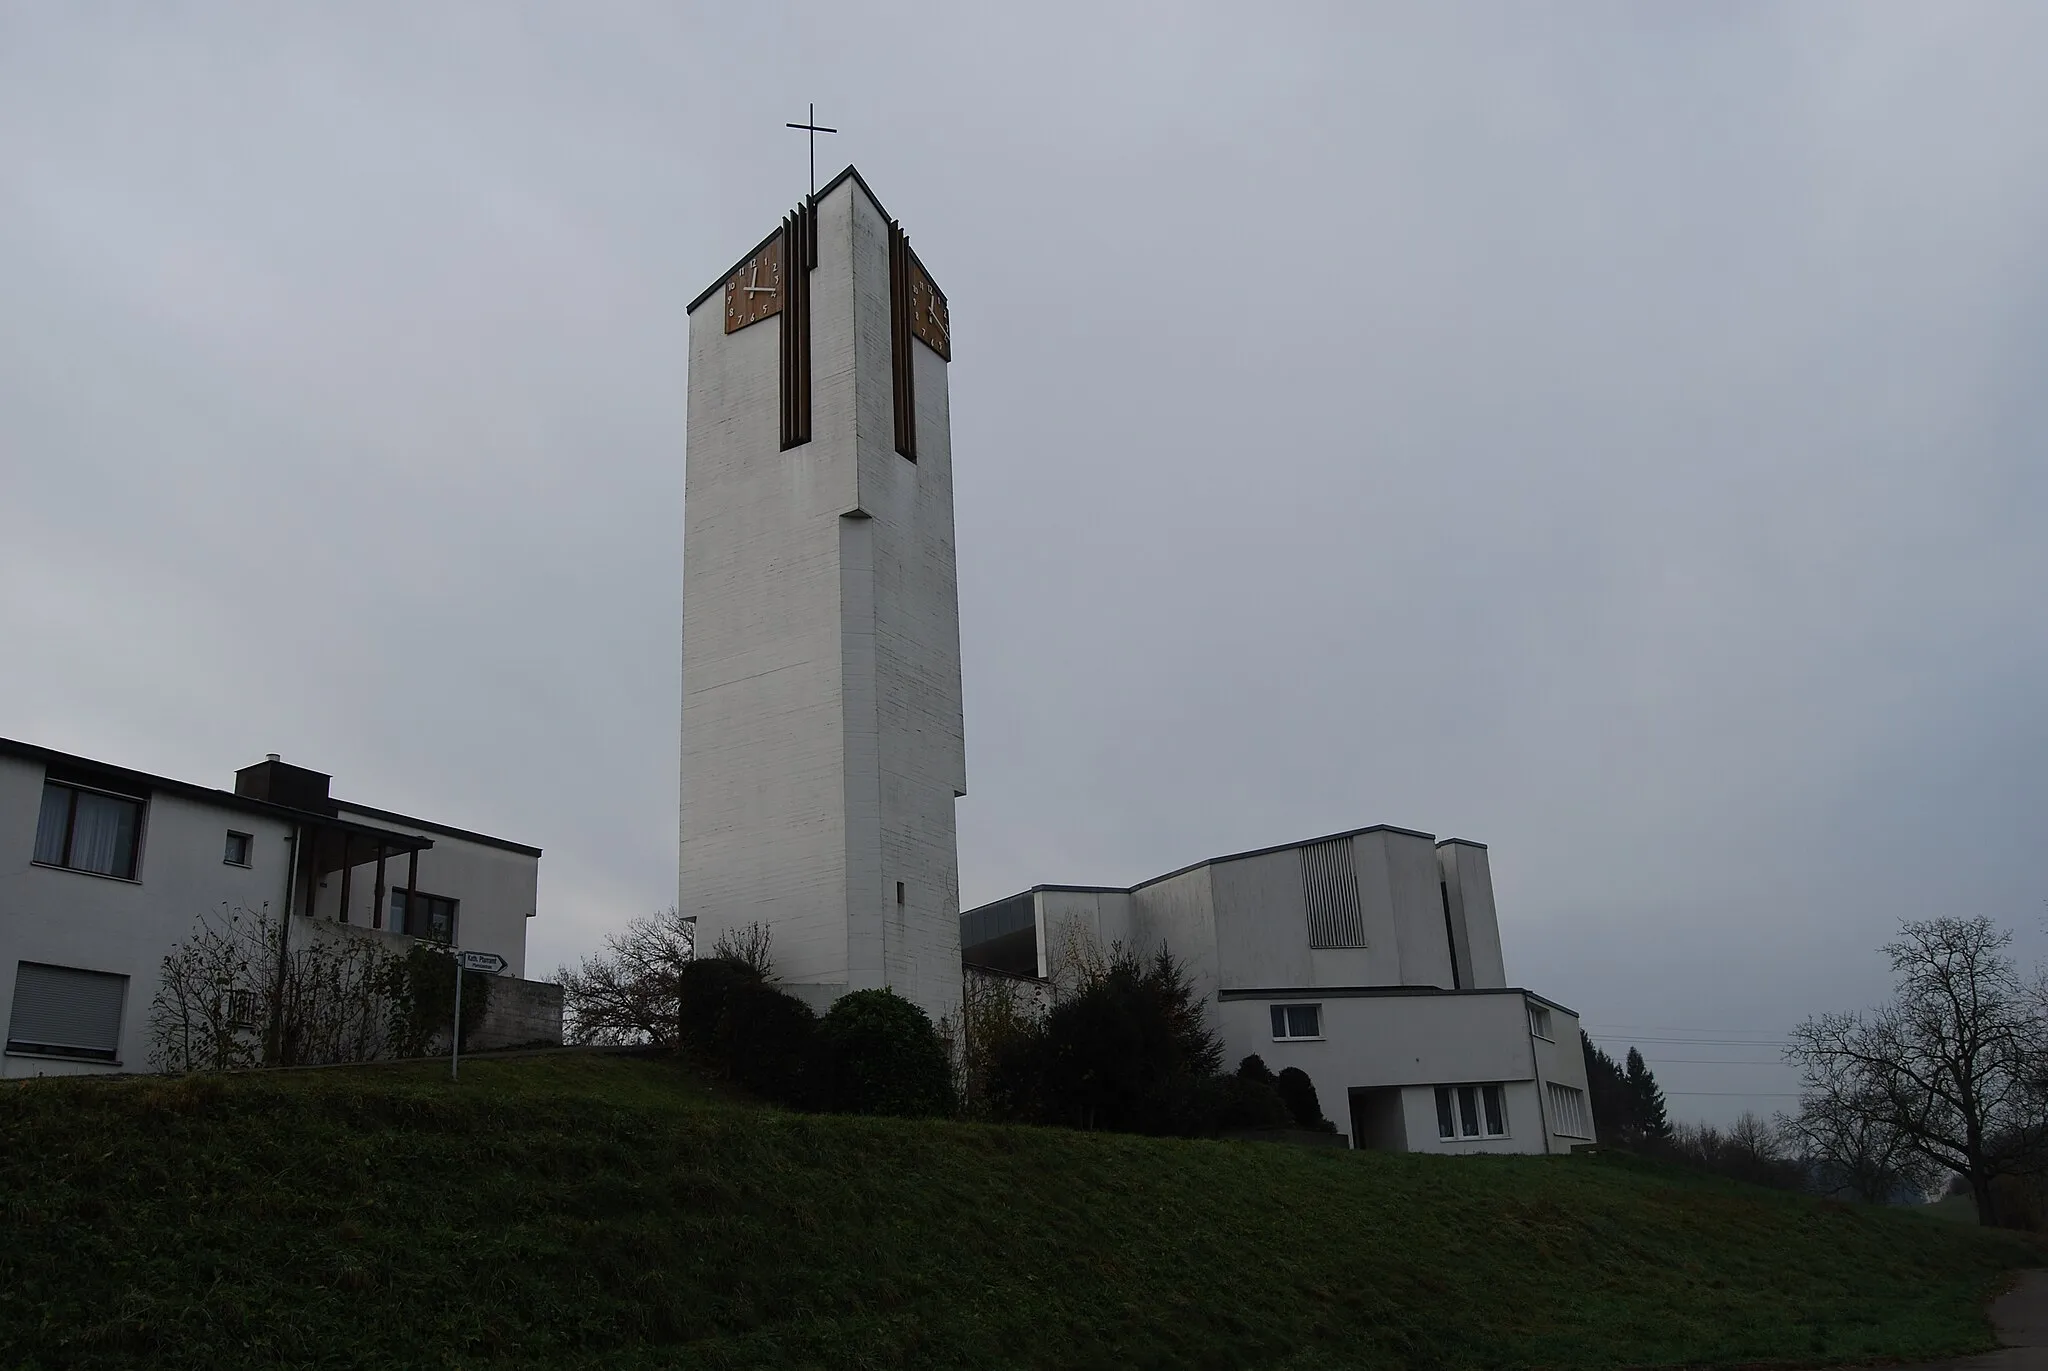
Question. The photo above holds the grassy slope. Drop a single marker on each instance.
(617, 1212)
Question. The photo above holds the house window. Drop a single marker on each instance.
(1568, 1111)
(433, 916)
(239, 846)
(1470, 1111)
(61, 1011)
(1539, 1021)
(88, 830)
(1295, 1021)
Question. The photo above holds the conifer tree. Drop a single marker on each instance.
(1646, 1102)
(1609, 1091)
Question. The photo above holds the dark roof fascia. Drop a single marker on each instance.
(1460, 842)
(225, 799)
(448, 829)
(1367, 992)
(849, 174)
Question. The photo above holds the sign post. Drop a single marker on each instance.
(490, 963)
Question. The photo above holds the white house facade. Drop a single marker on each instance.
(103, 870)
(1371, 960)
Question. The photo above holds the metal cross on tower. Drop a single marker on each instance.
(814, 128)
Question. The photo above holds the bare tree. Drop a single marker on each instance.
(1855, 1149)
(330, 998)
(1953, 1066)
(628, 993)
(748, 945)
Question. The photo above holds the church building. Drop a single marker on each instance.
(823, 743)
(1370, 959)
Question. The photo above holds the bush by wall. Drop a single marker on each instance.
(766, 1041)
(702, 988)
(880, 1055)
(1298, 1092)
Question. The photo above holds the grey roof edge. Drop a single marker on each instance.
(1367, 992)
(851, 173)
(1214, 861)
(448, 829)
(225, 799)
(1460, 842)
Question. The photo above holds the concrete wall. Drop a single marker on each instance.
(521, 1014)
(822, 733)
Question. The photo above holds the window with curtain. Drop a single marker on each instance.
(88, 830)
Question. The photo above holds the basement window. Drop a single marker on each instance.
(64, 1011)
(1470, 1111)
(1297, 1022)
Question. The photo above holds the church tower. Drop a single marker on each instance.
(822, 732)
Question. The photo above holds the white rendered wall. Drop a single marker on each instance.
(1421, 1040)
(496, 889)
(822, 736)
(97, 923)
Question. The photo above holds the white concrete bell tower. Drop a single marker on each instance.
(821, 727)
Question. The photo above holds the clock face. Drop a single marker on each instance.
(755, 291)
(928, 318)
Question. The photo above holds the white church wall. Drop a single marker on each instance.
(764, 814)
(1179, 913)
(1468, 885)
(1417, 903)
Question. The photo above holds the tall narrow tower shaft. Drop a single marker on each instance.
(822, 737)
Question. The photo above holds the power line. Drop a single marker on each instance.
(1740, 1094)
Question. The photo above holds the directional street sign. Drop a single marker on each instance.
(484, 961)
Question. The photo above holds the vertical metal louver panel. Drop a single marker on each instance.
(1329, 892)
(66, 1012)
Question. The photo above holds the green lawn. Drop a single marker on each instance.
(581, 1210)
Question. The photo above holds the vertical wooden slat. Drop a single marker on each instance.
(346, 852)
(412, 890)
(902, 388)
(377, 907)
(799, 259)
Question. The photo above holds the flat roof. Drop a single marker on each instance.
(227, 799)
(1232, 857)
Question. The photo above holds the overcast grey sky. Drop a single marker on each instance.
(1612, 433)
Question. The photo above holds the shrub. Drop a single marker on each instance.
(765, 1041)
(882, 1056)
(702, 989)
(1298, 1092)
(1254, 1068)
(420, 992)
(1244, 1101)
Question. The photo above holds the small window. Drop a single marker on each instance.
(899, 892)
(88, 830)
(1539, 1021)
(1471, 1111)
(1568, 1111)
(1297, 1021)
(433, 917)
(241, 1008)
(239, 845)
(61, 1011)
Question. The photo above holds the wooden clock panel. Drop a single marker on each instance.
(755, 291)
(929, 321)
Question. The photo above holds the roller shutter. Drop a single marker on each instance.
(62, 1011)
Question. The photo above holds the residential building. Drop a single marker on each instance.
(1369, 959)
(103, 870)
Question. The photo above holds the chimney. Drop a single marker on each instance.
(273, 780)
